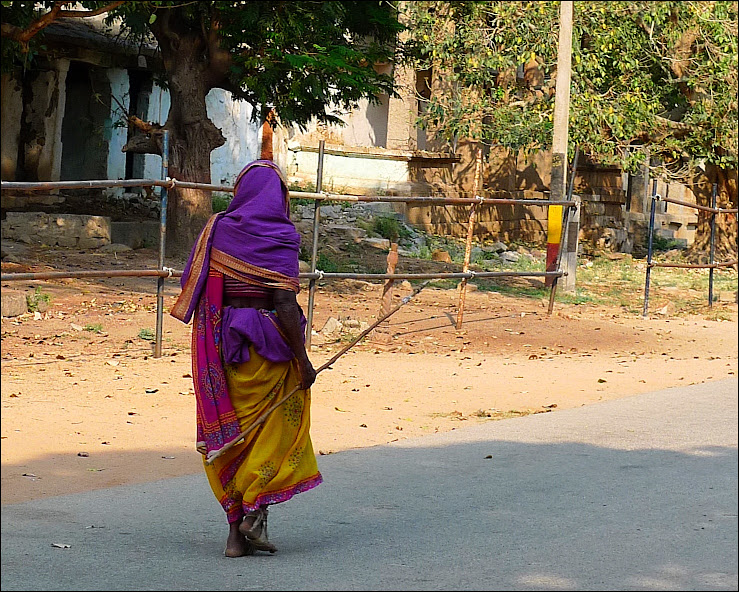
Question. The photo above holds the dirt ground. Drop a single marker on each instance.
(86, 404)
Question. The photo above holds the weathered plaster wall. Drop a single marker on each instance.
(43, 114)
(350, 169)
(11, 97)
(158, 111)
(402, 133)
(117, 136)
(234, 120)
(242, 136)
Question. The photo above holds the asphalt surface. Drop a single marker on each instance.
(634, 494)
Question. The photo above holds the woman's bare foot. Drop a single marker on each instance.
(236, 543)
(254, 528)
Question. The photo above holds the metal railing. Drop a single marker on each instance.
(315, 275)
(711, 265)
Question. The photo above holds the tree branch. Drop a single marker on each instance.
(677, 128)
(23, 36)
(10, 31)
(134, 120)
(220, 60)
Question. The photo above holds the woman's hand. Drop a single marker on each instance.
(289, 315)
(307, 373)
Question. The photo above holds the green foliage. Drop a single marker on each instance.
(301, 56)
(367, 225)
(93, 327)
(33, 300)
(389, 227)
(663, 243)
(473, 50)
(326, 263)
(300, 61)
(146, 334)
(656, 74)
(296, 57)
(221, 201)
(455, 247)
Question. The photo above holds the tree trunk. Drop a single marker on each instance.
(725, 241)
(192, 135)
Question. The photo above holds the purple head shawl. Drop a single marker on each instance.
(256, 229)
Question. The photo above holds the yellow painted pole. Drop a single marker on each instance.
(554, 235)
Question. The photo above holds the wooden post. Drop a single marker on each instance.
(267, 149)
(382, 333)
(560, 141)
(468, 246)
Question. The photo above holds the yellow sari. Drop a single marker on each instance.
(276, 460)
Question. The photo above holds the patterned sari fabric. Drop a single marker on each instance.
(276, 461)
(240, 359)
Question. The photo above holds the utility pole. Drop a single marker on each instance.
(559, 145)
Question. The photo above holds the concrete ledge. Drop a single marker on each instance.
(62, 230)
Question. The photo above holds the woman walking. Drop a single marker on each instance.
(239, 288)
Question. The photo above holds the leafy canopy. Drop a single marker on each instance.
(296, 57)
(657, 74)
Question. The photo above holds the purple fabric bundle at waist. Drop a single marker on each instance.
(233, 287)
(244, 326)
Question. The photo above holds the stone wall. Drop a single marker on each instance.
(602, 227)
(60, 230)
(506, 222)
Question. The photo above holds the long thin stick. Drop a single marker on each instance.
(261, 419)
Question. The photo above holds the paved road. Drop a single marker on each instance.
(634, 494)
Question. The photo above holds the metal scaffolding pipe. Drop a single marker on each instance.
(566, 213)
(162, 247)
(687, 204)
(319, 275)
(314, 249)
(650, 246)
(167, 183)
(171, 183)
(100, 273)
(97, 184)
(696, 265)
(431, 276)
(429, 200)
(711, 260)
